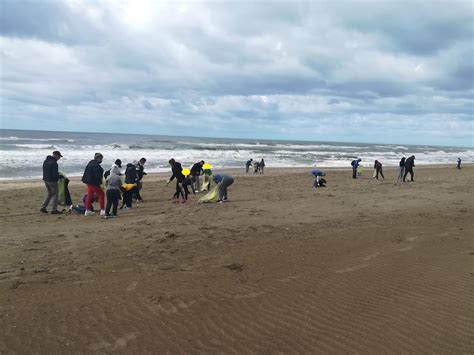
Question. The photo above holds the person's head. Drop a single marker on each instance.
(251, 159)
(98, 157)
(359, 159)
(142, 161)
(57, 155)
(413, 157)
(172, 162)
(201, 162)
(118, 162)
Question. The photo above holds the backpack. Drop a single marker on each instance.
(353, 162)
(130, 174)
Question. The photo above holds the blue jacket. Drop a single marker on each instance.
(218, 178)
(317, 172)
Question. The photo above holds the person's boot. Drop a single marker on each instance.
(43, 209)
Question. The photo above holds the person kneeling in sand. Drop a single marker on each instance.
(318, 180)
(223, 181)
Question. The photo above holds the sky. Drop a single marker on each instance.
(352, 71)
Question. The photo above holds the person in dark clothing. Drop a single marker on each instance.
(196, 171)
(459, 164)
(131, 178)
(187, 181)
(401, 169)
(378, 170)
(223, 182)
(248, 164)
(355, 164)
(92, 177)
(50, 178)
(261, 165)
(140, 167)
(409, 165)
(177, 171)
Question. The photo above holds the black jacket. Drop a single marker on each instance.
(409, 163)
(196, 169)
(50, 169)
(93, 173)
(130, 174)
(140, 171)
(177, 172)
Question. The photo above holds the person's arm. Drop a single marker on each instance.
(54, 171)
(172, 176)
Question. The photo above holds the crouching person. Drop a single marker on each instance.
(318, 178)
(223, 181)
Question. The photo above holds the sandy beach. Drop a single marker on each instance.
(361, 266)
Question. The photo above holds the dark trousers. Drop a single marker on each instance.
(128, 198)
(354, 173)
(379, 170)
(113, 197)
(226, 181)
(412, 174)
(179, 191)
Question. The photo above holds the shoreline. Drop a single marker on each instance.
(156, 176)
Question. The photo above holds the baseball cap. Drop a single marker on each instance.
(57, 152)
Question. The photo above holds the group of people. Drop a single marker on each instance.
(199, 178)
(258, 167)
(406, 166)
(117, 187)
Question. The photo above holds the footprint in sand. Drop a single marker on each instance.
(351, 269)
(371, 256)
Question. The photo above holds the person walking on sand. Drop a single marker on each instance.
(459, 164)
(177, 171)
(378, 170)
(223, 181)
(247, 165)
(262, 165)
(92, 177)
(113, 185)
(355, 164)
(50, 178)
(140, 169)
(401, 170)
(409, 165)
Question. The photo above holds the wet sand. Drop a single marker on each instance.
(361, 266)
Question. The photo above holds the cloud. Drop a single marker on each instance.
(321, 70)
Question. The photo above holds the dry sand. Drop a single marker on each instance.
(361, 266)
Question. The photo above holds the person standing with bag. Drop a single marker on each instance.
(50, 178)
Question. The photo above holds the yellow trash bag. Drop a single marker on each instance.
(211, 196)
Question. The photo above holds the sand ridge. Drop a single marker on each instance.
(360, 266)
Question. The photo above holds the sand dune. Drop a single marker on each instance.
(360, 266)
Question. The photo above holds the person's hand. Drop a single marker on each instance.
(167, 183)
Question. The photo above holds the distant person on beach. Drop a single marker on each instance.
(177, 171)
(355, 164)
(409, 165)
(256, 166)
(247, 165)
(261, 165)
(92, 177)
(131, 183)
(318, 178)
(196, 171)
(378, 170)
(401, 170)
(459, 164)
(223, 181)
(113, 187)
(50, 178)
(140, 169)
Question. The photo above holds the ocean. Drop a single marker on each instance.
(23, 152)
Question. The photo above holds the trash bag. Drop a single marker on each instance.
(64, 197)
(211, 196)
